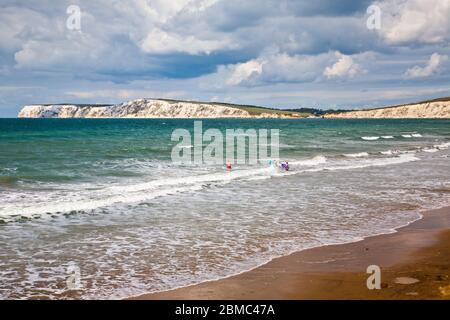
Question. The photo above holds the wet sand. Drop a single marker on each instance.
(417, 253)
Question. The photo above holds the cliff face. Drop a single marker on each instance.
(141, 108)
(439, 109)
(152, 108)
(61, 111)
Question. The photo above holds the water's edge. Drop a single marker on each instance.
(421, 215)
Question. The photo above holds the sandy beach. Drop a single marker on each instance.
(414, 262)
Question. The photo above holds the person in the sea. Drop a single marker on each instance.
(228, 165)
(284, 166)
(272, 163)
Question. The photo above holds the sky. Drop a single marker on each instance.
(277, 53)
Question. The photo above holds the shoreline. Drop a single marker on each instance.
(417, 251)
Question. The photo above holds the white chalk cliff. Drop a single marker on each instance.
(140, 108)
(436, 109)
(154, 108)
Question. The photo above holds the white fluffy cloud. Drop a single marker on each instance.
(39, 38)
(160, 42)
(17, 23)
(244, 71)
(432, 66)
(424, 21)
(295, 68)
(274, 67)
(345, 67)
(45, 42)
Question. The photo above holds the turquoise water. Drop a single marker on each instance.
(104, 195)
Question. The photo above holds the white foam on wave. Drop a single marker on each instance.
(403, 158)
(436, 148)
(86, 198)
(188, 180)
(396, 152)
(416, 135)
(283, 145)
(370, 138)
(310, 162)
(387, 137)
(357, 155)
(357, 163)
(11, 211)
(406, 135)
(442, 146)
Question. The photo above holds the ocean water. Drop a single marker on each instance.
(103, 196)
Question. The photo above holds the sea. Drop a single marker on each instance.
(97, 208)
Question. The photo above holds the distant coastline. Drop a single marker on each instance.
(431, 109)
(166, 108)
